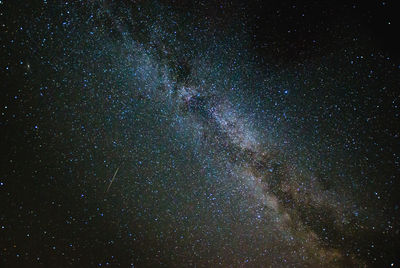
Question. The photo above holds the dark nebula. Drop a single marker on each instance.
(199, 133)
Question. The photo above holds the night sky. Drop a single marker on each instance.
(199, 133)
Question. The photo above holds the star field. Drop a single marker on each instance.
(199, 133)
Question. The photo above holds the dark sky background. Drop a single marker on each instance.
(199, 133)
